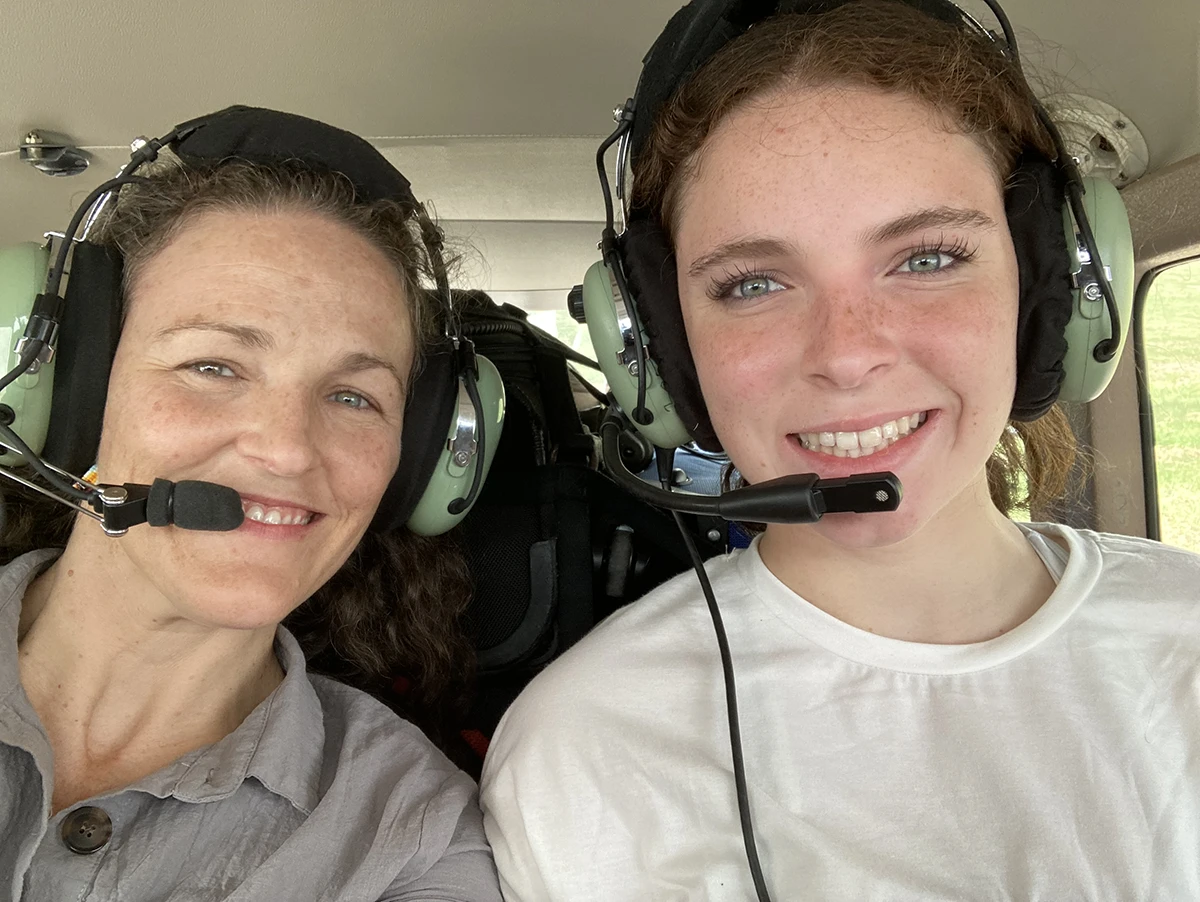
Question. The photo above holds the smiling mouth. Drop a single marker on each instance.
(276, 516)
(864, 442)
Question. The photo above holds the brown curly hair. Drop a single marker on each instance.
(395, 610)
(890, 46)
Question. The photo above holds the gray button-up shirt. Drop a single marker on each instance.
(321, 793)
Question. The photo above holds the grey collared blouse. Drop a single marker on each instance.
(321, 793)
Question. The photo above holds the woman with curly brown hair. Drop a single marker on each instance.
(846, 244)
(161, 734)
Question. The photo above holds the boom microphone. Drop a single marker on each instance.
(191, 504)
(187, 504)
(797, 498)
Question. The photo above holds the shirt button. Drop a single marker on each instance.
(86, 829)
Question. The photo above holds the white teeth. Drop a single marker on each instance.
(275, 516)
(863, 443)
(870, 438)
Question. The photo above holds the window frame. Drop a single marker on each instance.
(1145, 403)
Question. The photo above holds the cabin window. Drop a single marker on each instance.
(575, 335)
(1169, 332)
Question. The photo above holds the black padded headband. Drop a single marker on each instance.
(701, 28)
(268, 136)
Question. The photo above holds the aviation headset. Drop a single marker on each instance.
(1071, 235)
(1074, 253)
(54, 393)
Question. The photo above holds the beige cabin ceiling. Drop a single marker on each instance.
(429, 81)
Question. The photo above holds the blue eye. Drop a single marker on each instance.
(755, 287)
(933, 258)
(928, 261)
(351, 399)
(744, 287)
(211, 369)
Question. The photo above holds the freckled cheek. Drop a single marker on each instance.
(361, 464)
(147, 427)
(734, 366)
(971, 348)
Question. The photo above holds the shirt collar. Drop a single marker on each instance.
(280, 744)
(15, 578)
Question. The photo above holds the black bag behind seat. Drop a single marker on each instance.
(554, 545)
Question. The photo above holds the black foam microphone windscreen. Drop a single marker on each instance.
(191, 504)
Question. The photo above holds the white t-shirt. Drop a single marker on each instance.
(1060, 761)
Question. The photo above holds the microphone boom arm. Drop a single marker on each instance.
(796, 498)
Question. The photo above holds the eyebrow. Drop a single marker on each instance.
(933, 217)
(739, 250)
(359, 361)
(246, 335)
(251, 337)
(761, 246)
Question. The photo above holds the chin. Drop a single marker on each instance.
(242, 608)
(235, 595)
(866, 530)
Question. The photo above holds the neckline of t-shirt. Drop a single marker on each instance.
(1074, 581)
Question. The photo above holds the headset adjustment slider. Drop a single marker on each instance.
(42, 330)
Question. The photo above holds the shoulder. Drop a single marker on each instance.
(662, 616)
(385, 785)
(364, 736)
(1127, 565)
(1145, 554)
(653, 655)
(660, 631)
(1138, 592)
(16, 575)
(585, 748)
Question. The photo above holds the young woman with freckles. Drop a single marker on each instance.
(161, 734)
(935, 703)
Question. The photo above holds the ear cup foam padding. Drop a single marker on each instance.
(87, 342)
(651, 276)
(1034, 202)
(431, 403)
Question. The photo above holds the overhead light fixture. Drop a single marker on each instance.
(1104, 141)
(53, 153)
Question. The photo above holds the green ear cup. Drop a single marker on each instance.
(451, 480)
(1084, 376)
(603, 310)
(23, 271)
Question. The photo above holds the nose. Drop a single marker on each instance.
(279, 433)
(850, 339)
